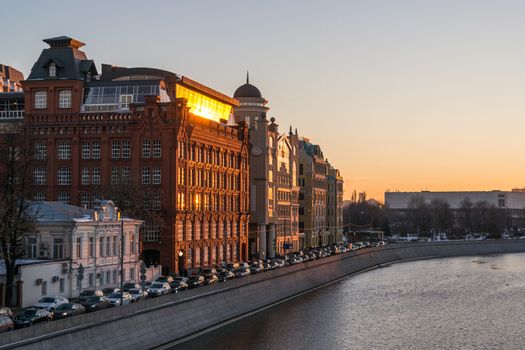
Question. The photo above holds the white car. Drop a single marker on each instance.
(159, 288)
(50, 303)
(114, 299)
(137, 294)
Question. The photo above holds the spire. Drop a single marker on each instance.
(290, 130)
(247, 76)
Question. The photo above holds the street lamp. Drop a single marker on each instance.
(181, 262)
(121, 257)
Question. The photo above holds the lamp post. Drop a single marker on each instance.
(181, 262)
(121, 259)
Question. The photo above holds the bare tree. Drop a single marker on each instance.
(440, 216)
(466, 207)
(15, 217)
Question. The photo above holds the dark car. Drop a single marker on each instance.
(178, 286)
(31, 316)
(182, 279)
(242, 271)
(68, 310)
(6, 323)
(225, 275)
(110, 290)
(210, 278)
(94, 303)
(256, 268)
(196, 281)
(130, 285)
(91, 292)
(208, 271)
(164, 279)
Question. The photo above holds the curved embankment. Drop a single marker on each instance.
(159, 321)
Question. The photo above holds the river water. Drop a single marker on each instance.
(454, 303)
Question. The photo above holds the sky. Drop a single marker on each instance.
(402, 95)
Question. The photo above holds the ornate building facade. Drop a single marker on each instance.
(171, 136)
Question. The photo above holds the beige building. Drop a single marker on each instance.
(334, 209)
(274, 210)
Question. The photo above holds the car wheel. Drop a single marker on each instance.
(52, 309)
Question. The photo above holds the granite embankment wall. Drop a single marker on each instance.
(159, 321)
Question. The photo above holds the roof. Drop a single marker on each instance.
(56, 211)
(64, 52)
(110, 72)
(247, 90)
(19, 262)
(10, 73)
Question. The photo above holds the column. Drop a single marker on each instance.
(271, 241)
(262, 241)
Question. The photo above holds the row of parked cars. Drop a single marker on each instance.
(57, 307)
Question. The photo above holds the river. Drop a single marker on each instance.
(452, 303)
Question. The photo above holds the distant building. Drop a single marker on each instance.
(273, 178)
(334, 210)
(11, 99)
(10, 79)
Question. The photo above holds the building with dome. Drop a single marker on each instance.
(274, 226)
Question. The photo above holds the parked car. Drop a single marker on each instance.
(110, 290)
(178, 286)
(130, 285)
(232, 266)
(207, 271)
(255, 268)
(164, 279)
(137, 294)
(242, 272)
(31, 316)
(225, 275)
(6, 323)
(5, 311)
(159, 288)
(196, 281)
(114, 299)
(68, 310)
(93, 303)
(91, 292)
(182, 279)
(50, 303)
(210, 278)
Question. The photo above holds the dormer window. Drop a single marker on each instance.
(52, 69)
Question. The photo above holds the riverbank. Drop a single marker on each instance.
(162, 321)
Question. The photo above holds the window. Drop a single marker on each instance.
(91, 279)
(64, 176)
(146, 150)
(64, 150)
(115, 274)
(39, 197)
(85, 176)
(40, 99)
(86, 150)
(64, 99)
(300, 169)
(115, 149)
(124, 175)
(156, 149)
(44, 288)
(132, 274)
(115, 246)
(58, 248)
(64, 197)
(156, 176)
(91, 247)
(78, 247)
(62, 285)
(152, 233)
(126, 149)
(32, 247)
(95, 149)
(114, 176)
(155, 201)
(125, 100)
(108, 277)
(40, 150)
(108, 246)
(95, 176)
(101, 246)
(145, 176)
(132, 244)
(52, 70)
(39, 176)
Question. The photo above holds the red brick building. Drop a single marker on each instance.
(173, 135)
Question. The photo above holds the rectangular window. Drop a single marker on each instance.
(32, 247)
(95, 176)
(115, 246)
(91, 279)
(64, 99)
(85, 176)
(146, 149)
(44, 288)
(156, 176)
(114, 176)
(64, 176)
(132, 244)
(95, 149)
(155, 201)
(58, 248)
(125, 100)
(101, 247)
(86, 150)
(108, 246)
(62, 285)
(108, 277)
(115, 149)
(115, 275)
(39, 197)
(126, 149)
(91, 247)
(64, 197)
(40, 150)
(156, 149)
(132, 274)
(39, 176)
(145, 176)
(78, 247)
(152, 233)
(124, 175)
(40, 99)
(64, 150)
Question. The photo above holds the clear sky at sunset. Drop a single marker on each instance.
(401, 95)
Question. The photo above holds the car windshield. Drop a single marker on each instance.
(87, 292)
(162, 279)
(94, 300)
(28, 313)
(115, 295)
(47, 300)
(134, 291)
(157, 285)
(65, 307)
